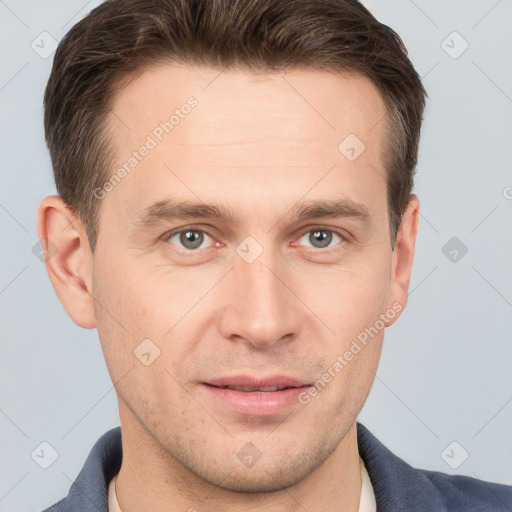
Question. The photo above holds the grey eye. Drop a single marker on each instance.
(320, 238)
(189, 239)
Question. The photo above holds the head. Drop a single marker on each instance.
(234, 202)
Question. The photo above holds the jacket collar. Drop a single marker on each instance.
(89, 492)
(397, 485)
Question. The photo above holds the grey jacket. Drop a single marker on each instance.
(398, 486)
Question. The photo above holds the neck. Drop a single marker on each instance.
(152, 479)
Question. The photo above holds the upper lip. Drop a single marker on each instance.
(257, 383)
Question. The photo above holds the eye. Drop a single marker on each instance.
(191, 239)
(320, 238)
(188, 239)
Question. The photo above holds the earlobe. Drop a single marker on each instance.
(68, 259)
(403, 256)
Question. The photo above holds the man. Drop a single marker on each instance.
(235, 218)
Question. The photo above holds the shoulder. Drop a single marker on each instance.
(88, 493)
(471, 494)
(399, 486)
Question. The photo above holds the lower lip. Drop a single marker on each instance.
(268, 403)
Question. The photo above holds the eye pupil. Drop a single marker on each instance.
(191, 239)
(322, 237)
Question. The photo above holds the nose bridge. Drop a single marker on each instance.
(263, 310)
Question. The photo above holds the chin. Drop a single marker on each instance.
(266, 476)
(263, 481)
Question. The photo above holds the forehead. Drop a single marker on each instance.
(234, 104)
(274, 133)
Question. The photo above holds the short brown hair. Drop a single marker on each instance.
(122, 36)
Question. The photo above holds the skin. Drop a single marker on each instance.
(258, 145)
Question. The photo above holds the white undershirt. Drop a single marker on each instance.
(366, 502)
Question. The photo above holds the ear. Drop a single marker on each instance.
(68, 259)
(403, 257)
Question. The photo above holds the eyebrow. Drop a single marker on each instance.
(166, 210)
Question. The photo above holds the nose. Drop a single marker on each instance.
(261, 308)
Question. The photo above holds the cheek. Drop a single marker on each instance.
(350, 370)
(351, 303)
(127, 296)
(127, 312)
(138, 316)
(350, 296)
(119, 308)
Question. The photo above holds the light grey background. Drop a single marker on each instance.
(445, 373)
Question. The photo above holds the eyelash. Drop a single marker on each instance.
(343, 237)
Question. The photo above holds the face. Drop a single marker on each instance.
(243, 273)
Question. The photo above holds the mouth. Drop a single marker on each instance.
(256, 389)
(248, 396)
